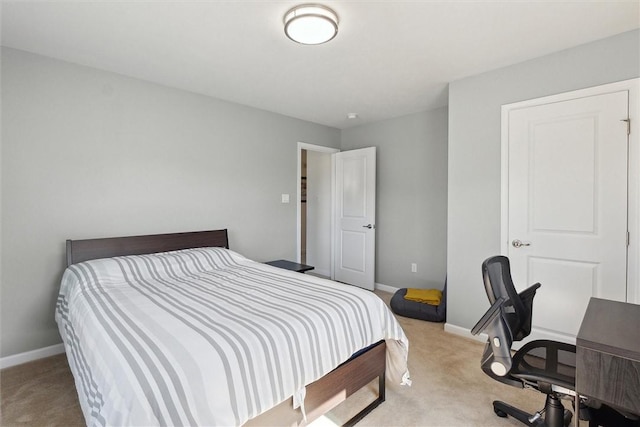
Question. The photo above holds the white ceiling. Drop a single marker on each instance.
(390, 58)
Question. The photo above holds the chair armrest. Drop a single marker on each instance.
(526, 297)
(487, 319)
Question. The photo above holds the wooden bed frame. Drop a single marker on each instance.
(323, 394)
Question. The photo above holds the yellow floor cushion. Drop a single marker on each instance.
(427, 296)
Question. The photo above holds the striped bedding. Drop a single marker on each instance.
(208, 337)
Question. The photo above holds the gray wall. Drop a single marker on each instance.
(411, 213)
(474, 151)
(87, 153)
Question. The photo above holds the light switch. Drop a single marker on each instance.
(285, 198)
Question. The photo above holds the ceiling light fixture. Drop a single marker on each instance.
(311, 24)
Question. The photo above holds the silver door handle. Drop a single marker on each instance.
(369, 226)
(517, 243)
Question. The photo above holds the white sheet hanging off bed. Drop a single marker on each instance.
(208, 337)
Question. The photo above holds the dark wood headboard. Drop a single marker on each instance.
(84, 250)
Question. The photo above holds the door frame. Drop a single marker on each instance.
(633, 191)
(322, 149)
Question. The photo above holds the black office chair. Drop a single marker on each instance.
(547, 366)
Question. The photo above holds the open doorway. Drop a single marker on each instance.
(315, 207)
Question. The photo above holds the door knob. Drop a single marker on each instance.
(369, 226)
(517, 243)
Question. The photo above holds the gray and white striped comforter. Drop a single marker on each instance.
(208, 337)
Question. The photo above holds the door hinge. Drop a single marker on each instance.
(628, 125)
(628, 238)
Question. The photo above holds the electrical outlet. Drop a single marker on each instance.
(414, 267)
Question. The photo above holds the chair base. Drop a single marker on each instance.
(555, 414)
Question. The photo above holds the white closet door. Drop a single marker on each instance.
(567, 210)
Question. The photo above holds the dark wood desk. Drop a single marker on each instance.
(289, 265)
(608, 354)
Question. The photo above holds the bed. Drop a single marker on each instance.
(177, 329)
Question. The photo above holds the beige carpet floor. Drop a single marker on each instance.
(449, 389)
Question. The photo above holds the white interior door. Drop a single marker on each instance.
(567, 206)
(355, 217)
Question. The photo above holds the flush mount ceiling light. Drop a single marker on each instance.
(311, 24)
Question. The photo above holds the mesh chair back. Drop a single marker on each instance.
(496, 273)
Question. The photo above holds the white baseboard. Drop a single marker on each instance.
(464, 332)
(386, 288)
(30, 356)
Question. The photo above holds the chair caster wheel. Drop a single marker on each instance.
(500, 413)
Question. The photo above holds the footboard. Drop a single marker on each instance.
(335, 387)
